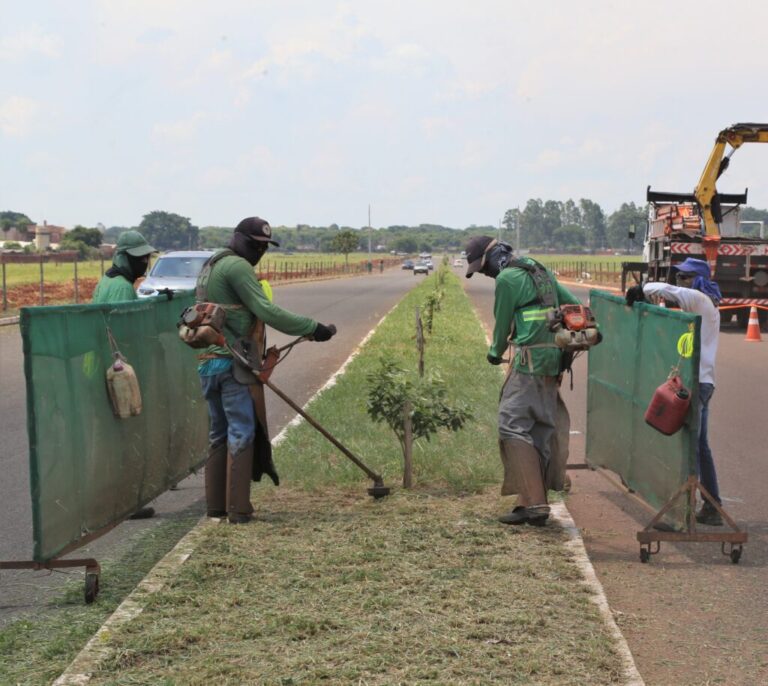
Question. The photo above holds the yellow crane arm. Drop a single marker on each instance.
(706, 190)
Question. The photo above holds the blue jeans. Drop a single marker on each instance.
(230, 408)
(705, 465)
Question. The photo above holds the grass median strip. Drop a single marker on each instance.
(327, 585)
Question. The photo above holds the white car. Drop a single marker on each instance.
(421, 268)
(458, 262)
(176, 270)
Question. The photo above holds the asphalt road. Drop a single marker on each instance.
(690, 616)
(355, 305)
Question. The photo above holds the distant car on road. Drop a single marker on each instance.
(408, 264)
(421, 268)
(430, 264)
(177, 270)
(458, 263)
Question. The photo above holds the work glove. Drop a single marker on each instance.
(323, 333)
(635, 294)
(492, 359)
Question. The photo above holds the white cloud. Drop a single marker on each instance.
(181, 130)
(17, 115)
(23, 44)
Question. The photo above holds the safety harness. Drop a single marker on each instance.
(574, 326)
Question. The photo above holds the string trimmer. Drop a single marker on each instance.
(273, 357)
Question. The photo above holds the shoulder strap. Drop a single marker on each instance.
(543, 282)
(201, 288)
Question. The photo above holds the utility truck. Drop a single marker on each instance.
(706, 224)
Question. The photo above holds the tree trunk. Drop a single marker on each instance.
(407, 446)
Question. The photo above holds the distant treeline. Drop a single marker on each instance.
(541, 225)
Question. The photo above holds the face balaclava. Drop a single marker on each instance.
(496, 259)
(128, 266)
(251, 239)
(247, 248)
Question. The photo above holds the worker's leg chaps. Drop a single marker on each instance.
(522, 473)
(239, 475)
(216, 479)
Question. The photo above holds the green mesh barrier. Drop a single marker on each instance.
(89, 469)
(639, 348)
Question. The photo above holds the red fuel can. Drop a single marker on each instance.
(668, 407)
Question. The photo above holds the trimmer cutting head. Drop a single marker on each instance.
(379, 490)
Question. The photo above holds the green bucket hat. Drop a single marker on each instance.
(133, 243)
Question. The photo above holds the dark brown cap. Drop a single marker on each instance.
(476, 249)
(256, 229)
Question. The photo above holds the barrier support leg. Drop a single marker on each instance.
(92, 571)
(731, 541)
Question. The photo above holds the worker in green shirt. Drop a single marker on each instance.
(238, 441)
(533, 420)
(129, 263)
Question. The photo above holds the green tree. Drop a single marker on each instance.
(406, 244)
(345, 242)
(168, 231)
(533, 224)
(621, 220)
(593, 223)
(10, 220)
(91, 237)
(569, 238)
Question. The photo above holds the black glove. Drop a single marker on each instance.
(635, 294)
(323, 333)
(492, 359)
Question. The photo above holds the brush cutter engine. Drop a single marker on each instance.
(574, 327)
(202, 325)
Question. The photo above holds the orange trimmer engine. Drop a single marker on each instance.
(574, 326)
(202, 324)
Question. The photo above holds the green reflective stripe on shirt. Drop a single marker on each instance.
(535, 315)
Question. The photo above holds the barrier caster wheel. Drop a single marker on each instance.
(645, 555)
(91, 587)
(735, 555)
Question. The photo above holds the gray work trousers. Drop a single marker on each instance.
(531, 410)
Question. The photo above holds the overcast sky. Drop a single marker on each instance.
(307, 112)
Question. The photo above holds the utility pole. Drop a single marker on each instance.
(517, 227)
(369, 232)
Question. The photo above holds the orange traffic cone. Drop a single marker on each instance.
(753, 327)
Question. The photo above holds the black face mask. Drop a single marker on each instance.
(138, 265)
(247, 248)
(496, 259)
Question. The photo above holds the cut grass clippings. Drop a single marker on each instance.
(330, 587)
(327, 585)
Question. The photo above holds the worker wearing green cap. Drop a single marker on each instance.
(129, 263)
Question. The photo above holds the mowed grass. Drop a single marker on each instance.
(332, 587)
(327, 585)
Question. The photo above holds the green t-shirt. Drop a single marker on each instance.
(114, 289)
(518, 313)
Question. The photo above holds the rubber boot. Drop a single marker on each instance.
(239, 474)
(216, 480)
(523, 475)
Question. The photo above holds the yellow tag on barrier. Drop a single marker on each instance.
(685, 345)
